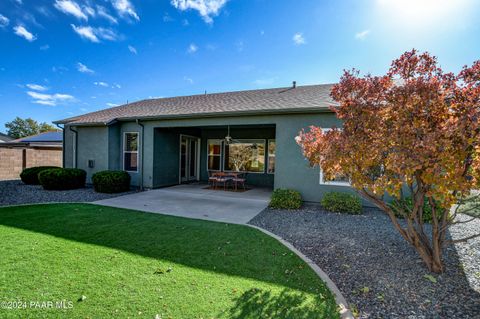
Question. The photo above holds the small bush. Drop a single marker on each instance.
(30, 175)
(407, 203)
(62, 178)
(111, 181)
(342, 203)
(286, 199)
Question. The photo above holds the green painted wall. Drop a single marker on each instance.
(114, 147)
(92, 145)
(161, 140)
(166, 164)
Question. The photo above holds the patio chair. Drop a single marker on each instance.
(222, 178)
(239, 179)
(212, 179)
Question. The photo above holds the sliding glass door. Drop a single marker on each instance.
(189, 148)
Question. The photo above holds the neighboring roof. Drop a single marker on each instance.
(45, 137)
(280, 100)
(5, 138)
(52, 139)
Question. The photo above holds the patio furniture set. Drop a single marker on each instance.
(226, 179)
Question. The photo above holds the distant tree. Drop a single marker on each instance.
(415, 127)
(19, 127)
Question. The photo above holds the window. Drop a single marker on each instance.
(130, 152)
(245, 156)
(271, 156)
(339, 179)
(214, 154)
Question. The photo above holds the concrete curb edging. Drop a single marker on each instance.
(345, 312)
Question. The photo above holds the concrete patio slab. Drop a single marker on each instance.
(194, 201)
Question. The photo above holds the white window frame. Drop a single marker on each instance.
(131, 152)
(268, 155)
(220, 142)
(248, 139)
(322, 180)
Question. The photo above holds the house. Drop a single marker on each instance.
(5, 138)
(44, 149)
(169, 141)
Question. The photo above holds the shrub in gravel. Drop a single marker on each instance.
(286, 199)
(111, 182)
(342, 203)
(30, 175)
(408, 203)
(62, 178)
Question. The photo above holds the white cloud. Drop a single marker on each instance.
(192, 48)
(116, 86)
(83, 109)
(86, 33)
(36, 87)
(167, 18)
(89, 11)
(298, 38)
(106, 34)
(95, 34)
(103, 12)
(206, 8)
(49, 99)
(112, 104)
(44, 47)
(70, 7)
(83, 68)
(22, 32)
(125, 8)
(189, 80)
(362, 35)
(132, 49)
(4, 21)
(104, 84)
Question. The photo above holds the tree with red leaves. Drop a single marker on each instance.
(412, 132)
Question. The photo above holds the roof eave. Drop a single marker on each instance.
(204, 115)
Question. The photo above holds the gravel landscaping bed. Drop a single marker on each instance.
(15, 193)
(379, 274)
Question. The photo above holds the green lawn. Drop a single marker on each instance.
(139, 265)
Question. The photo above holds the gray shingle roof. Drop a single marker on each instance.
(52, 136)
(300, 99)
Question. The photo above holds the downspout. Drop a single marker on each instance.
(63, 143)
(76, 146)
(141, 147)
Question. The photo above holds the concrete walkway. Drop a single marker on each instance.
(194, 201)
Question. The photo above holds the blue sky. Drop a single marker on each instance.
(61, 58)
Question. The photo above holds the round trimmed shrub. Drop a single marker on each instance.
(30, 175)
(62, 178)
(338, 202)
(286, 199)
(111, 181)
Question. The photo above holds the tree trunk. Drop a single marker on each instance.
(429, 250)
(431, 257)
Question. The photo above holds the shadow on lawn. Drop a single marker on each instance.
(217, 247)
(257, 303)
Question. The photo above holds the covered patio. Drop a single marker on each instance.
(183, 155)
(195, 200)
